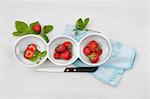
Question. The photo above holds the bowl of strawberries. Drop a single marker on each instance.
(94, 49)
(63, 50)
(30, 50)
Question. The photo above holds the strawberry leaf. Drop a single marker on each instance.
(79, 24)
(19, 33)
(21, 26)
(45, 38)
(86, 21)
(34, 58)
(43, 54)
(47, 28)
(37, 52)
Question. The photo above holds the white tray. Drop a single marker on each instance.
(124, 21)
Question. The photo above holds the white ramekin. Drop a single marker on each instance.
(105, 44)
(21, 45)
(59, 40)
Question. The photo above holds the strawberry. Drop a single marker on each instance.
(92, 42)
(28, 54)
(32, 47)
(66, 55)
(94, 57)
(92, 45)
(86, 50)
(37, 28)
(99, 51)
(67, 44)
(60, 48)
(57, 55)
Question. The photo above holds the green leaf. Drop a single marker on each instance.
(34, 58)
(31, 26)
(86, 21)
(77, 25)
(31, 32)
(43, 54)
(45, 38)
(37, 52)
(47, 28)
(19, 33)
(21, 26)
(80, 24)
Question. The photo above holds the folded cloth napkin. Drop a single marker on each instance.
(111, 72)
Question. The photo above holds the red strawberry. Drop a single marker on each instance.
(92, 42)
(86, 50)
(67, 44)
(92, 45)
(94, 57)
(28, 54)
(60, 48)
(57, 55)
(37, 28)
(66, 55)
(99, 51)
(32, 47)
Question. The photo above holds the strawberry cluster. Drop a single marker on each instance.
(30, 51)
(63, 51)
(93, 51)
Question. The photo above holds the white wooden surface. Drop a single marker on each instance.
(124, 21)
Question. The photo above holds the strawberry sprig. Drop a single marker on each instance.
(81, 26)
(34, 28)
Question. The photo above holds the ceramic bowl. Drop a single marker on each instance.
(59, 40)
(21, 45)
(105, 45)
